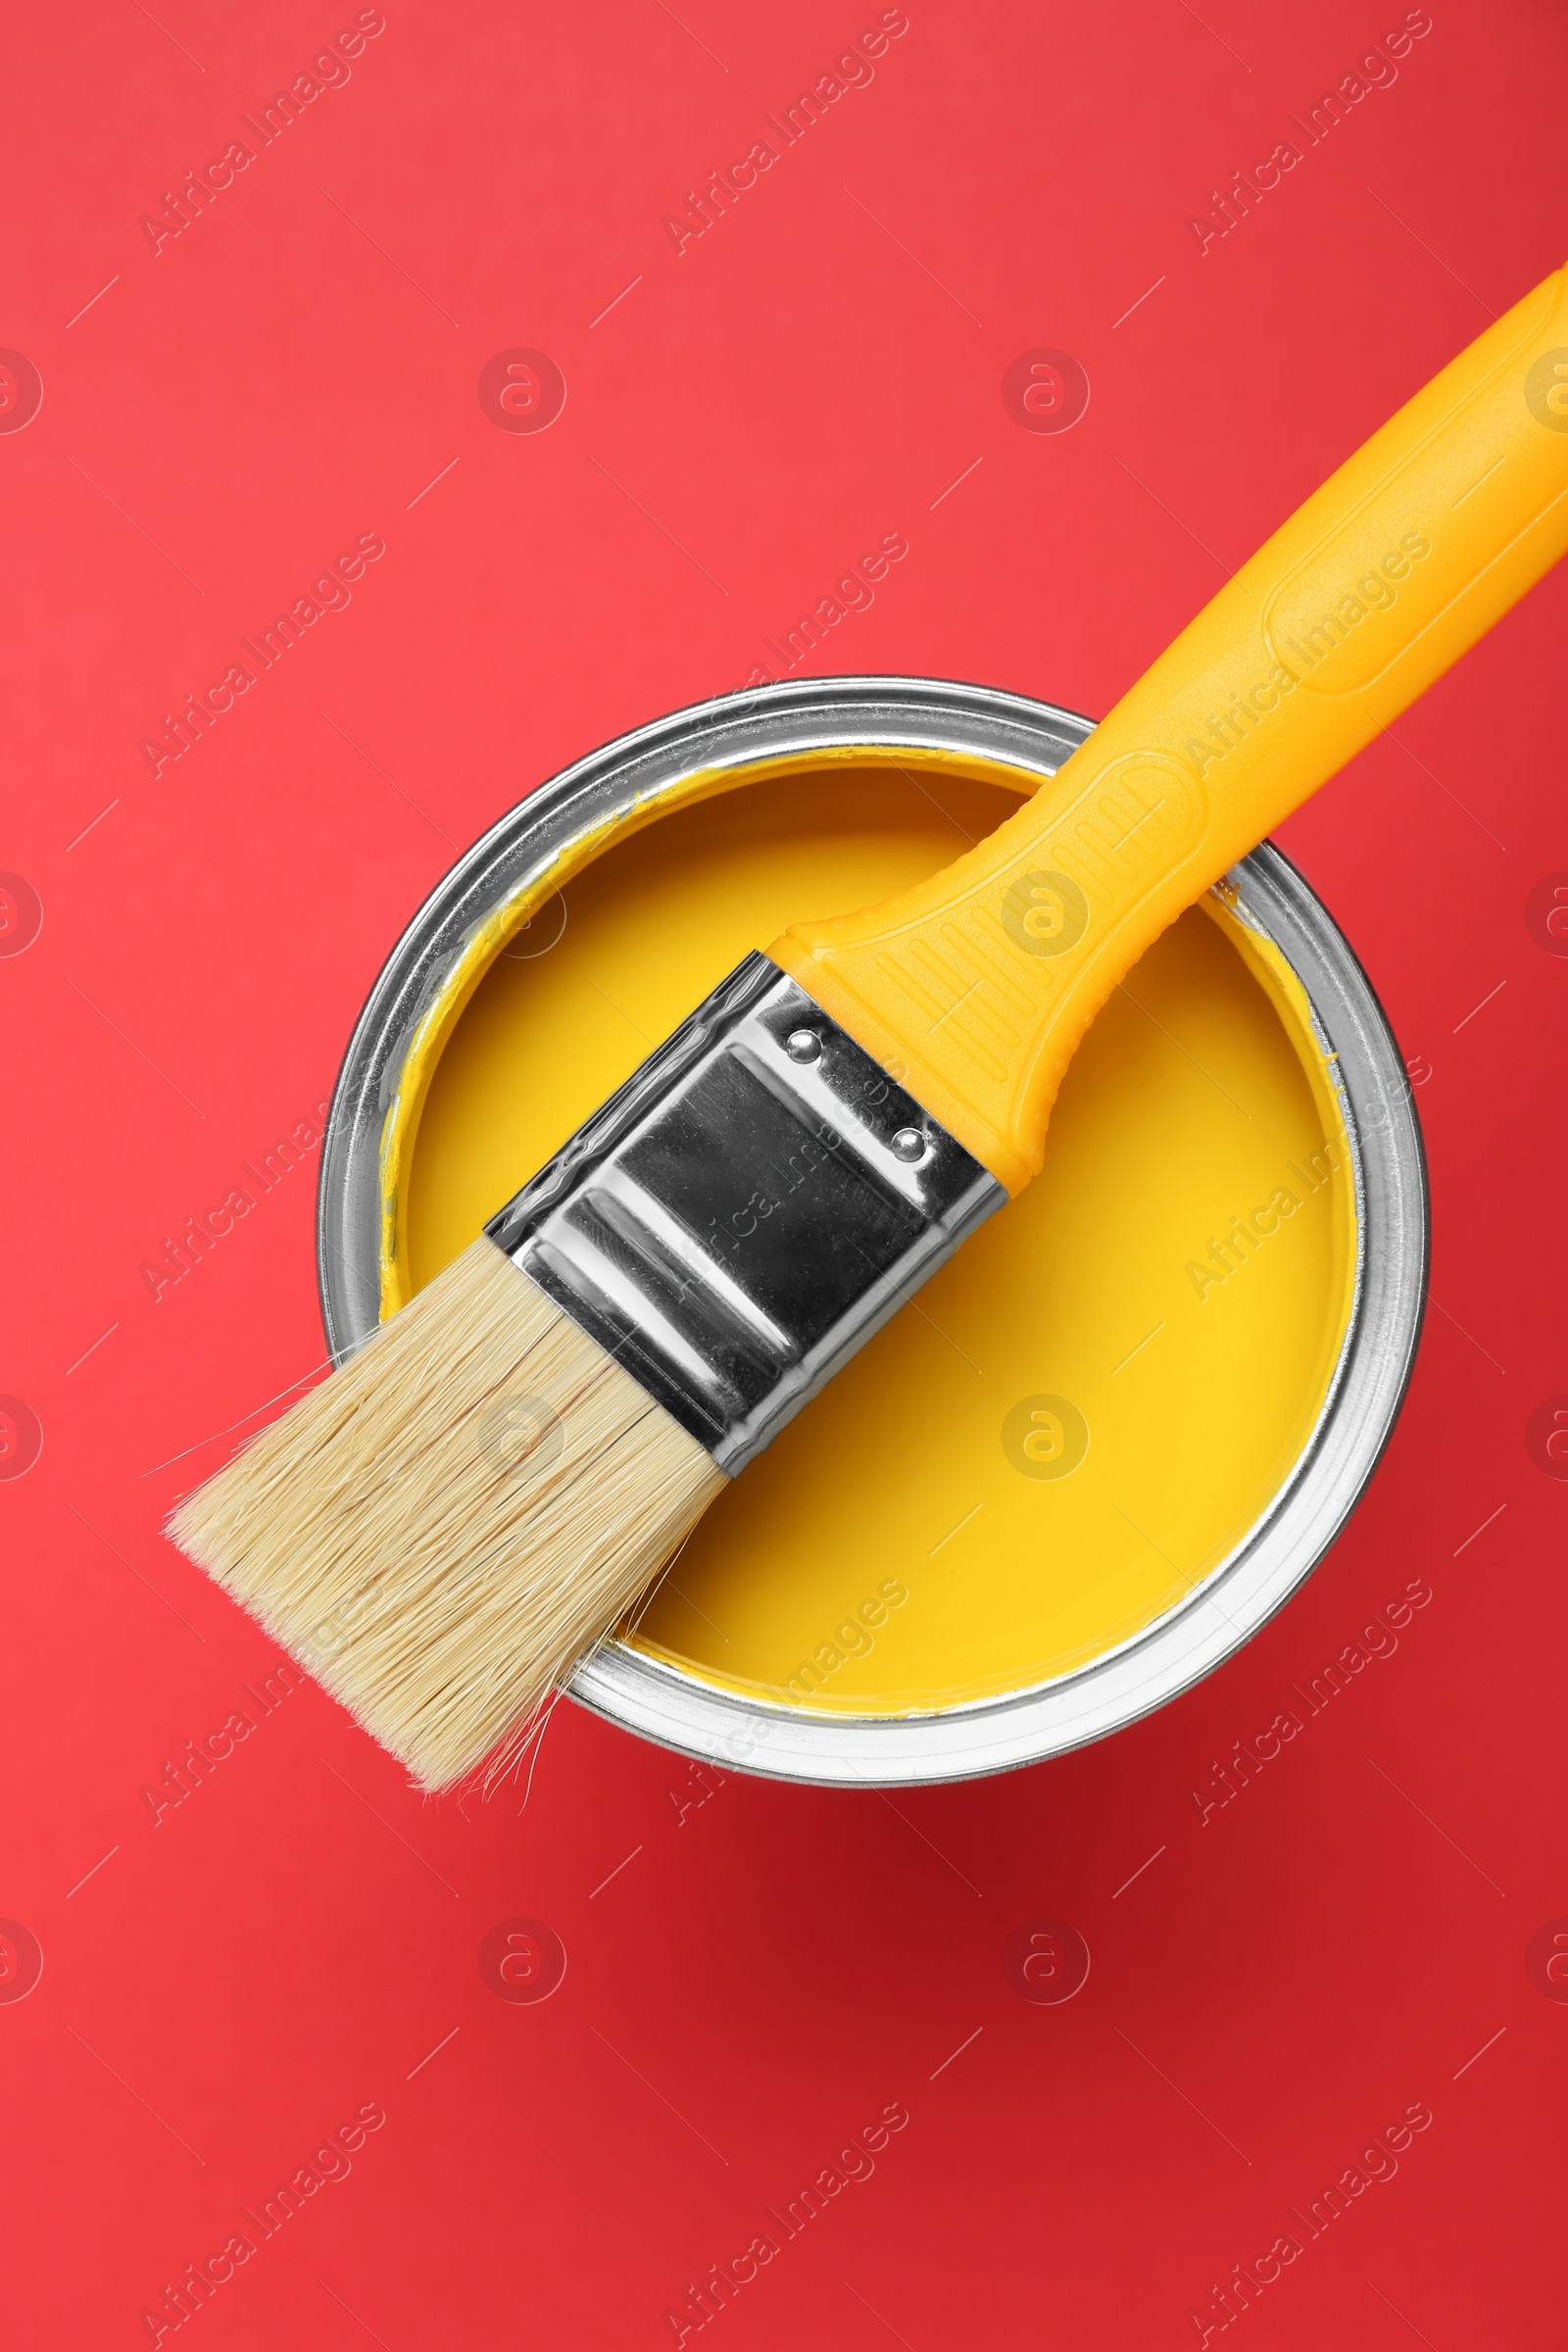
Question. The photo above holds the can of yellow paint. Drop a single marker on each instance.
(1110, 1439)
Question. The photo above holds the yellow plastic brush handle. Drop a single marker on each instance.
(976, 986)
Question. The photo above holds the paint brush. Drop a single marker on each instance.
(447, 1526)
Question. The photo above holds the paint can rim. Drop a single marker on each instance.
(924, 717)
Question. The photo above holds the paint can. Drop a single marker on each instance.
(517, 868)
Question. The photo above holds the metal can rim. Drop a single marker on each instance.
(966, 723)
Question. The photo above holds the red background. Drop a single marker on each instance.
(223, 1988)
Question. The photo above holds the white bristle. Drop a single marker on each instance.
(447, 1526)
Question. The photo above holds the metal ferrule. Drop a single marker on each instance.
(754, 1204)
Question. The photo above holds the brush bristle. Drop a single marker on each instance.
(447, 1526)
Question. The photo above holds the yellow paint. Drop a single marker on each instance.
(1199, 1096)
(508, 920)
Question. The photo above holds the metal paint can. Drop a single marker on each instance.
(706, 750)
